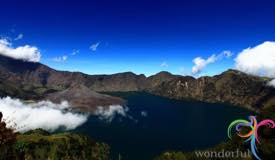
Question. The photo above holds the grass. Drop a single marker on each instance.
(39, 144)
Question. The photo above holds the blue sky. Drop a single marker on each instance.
(137, 36)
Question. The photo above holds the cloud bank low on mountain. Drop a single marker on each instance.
(272, 83)
(109, 113)
(26, 52)
(44, 114)
(259, 60)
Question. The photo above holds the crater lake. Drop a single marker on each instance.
(153, 124)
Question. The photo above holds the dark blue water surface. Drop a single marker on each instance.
(155, 124)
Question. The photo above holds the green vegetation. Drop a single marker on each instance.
(39, 144)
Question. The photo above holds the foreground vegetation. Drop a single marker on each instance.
(39, 144)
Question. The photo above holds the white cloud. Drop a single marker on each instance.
(94, 46)
(4, 41)
(20, 36)
(75, 52)
(201, 63)
(259, 60)
(227, 54)
(60, 59)
(110, 112)
(164, 64)
(271, 83)
(44, 114)
(26, 52)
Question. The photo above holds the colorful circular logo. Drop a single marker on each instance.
(252, 135)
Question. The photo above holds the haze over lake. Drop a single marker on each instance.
(155, 124)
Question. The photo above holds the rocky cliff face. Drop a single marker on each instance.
(37, 81)
(232, 87)
(83, 98)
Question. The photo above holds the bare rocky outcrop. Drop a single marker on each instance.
(81, 97)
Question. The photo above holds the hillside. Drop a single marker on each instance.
(232, 87)
(29, 80)
(39, 144)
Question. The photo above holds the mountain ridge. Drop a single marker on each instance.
(38, 81)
